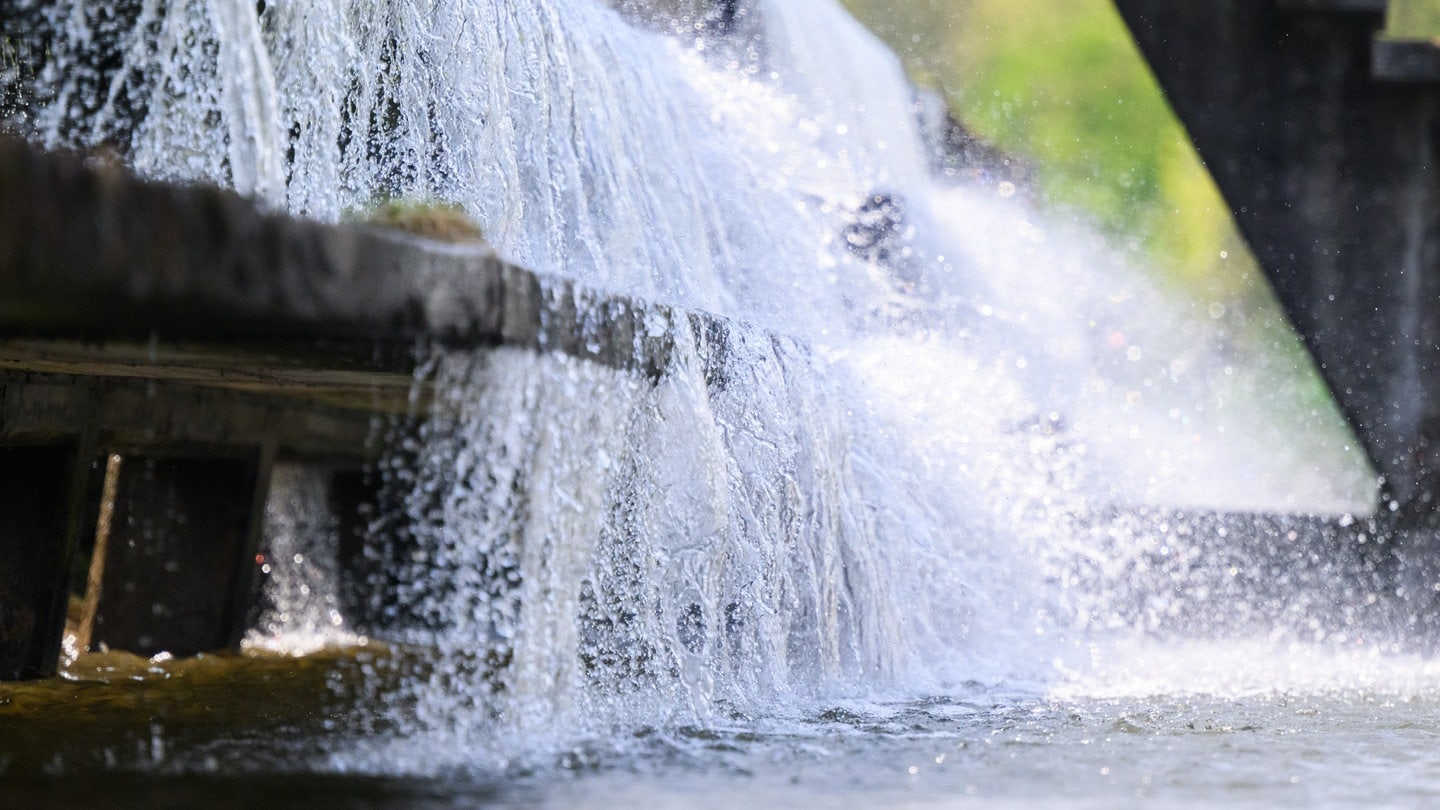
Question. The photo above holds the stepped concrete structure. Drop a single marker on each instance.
(162, 347)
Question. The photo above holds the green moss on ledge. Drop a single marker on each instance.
(441, 221)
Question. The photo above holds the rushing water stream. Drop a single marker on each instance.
(899, 535)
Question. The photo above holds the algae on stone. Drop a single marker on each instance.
(441, 221)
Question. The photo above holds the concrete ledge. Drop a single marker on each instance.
(180, 340)
(98, 254)
(1376, 7)
(1409, 61)
(95, 255)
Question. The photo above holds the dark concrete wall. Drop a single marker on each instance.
(92, 253)
(1331, 176)
(191, 338)
(36, 493)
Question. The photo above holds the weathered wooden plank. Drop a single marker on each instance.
(289, 374)
(149, 413)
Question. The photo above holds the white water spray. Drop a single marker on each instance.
(883, 475)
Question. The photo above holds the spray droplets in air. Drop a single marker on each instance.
(894, 467)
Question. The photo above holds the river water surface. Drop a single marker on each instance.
(1279, 728)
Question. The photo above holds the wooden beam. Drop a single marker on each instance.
(150, 413)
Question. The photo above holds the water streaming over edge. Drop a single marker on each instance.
(897, 473)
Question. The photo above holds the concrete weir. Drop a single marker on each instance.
(162, 347)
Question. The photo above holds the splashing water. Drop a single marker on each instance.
(918, 456)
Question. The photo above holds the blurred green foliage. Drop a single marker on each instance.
(1413, 19)
(1060, 84)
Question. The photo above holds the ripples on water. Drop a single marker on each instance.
(1327, 738)
(898, 534)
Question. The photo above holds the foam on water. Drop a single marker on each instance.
(892, 475)
(302, 611)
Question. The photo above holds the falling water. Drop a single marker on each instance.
(931, 452)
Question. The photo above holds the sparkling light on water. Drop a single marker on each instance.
(913, 464)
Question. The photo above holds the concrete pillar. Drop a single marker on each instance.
(42, 513)
(1334, 178)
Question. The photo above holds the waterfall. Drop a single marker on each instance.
(883, 475)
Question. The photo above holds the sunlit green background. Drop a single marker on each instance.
(1413, 18)
(1060, 84)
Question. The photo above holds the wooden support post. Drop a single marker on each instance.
(43, 511)
(180, 552)
(89, 591)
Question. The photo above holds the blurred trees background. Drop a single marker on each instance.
(1413, 19)
(1060, 84)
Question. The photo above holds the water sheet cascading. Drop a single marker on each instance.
(883, 474)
